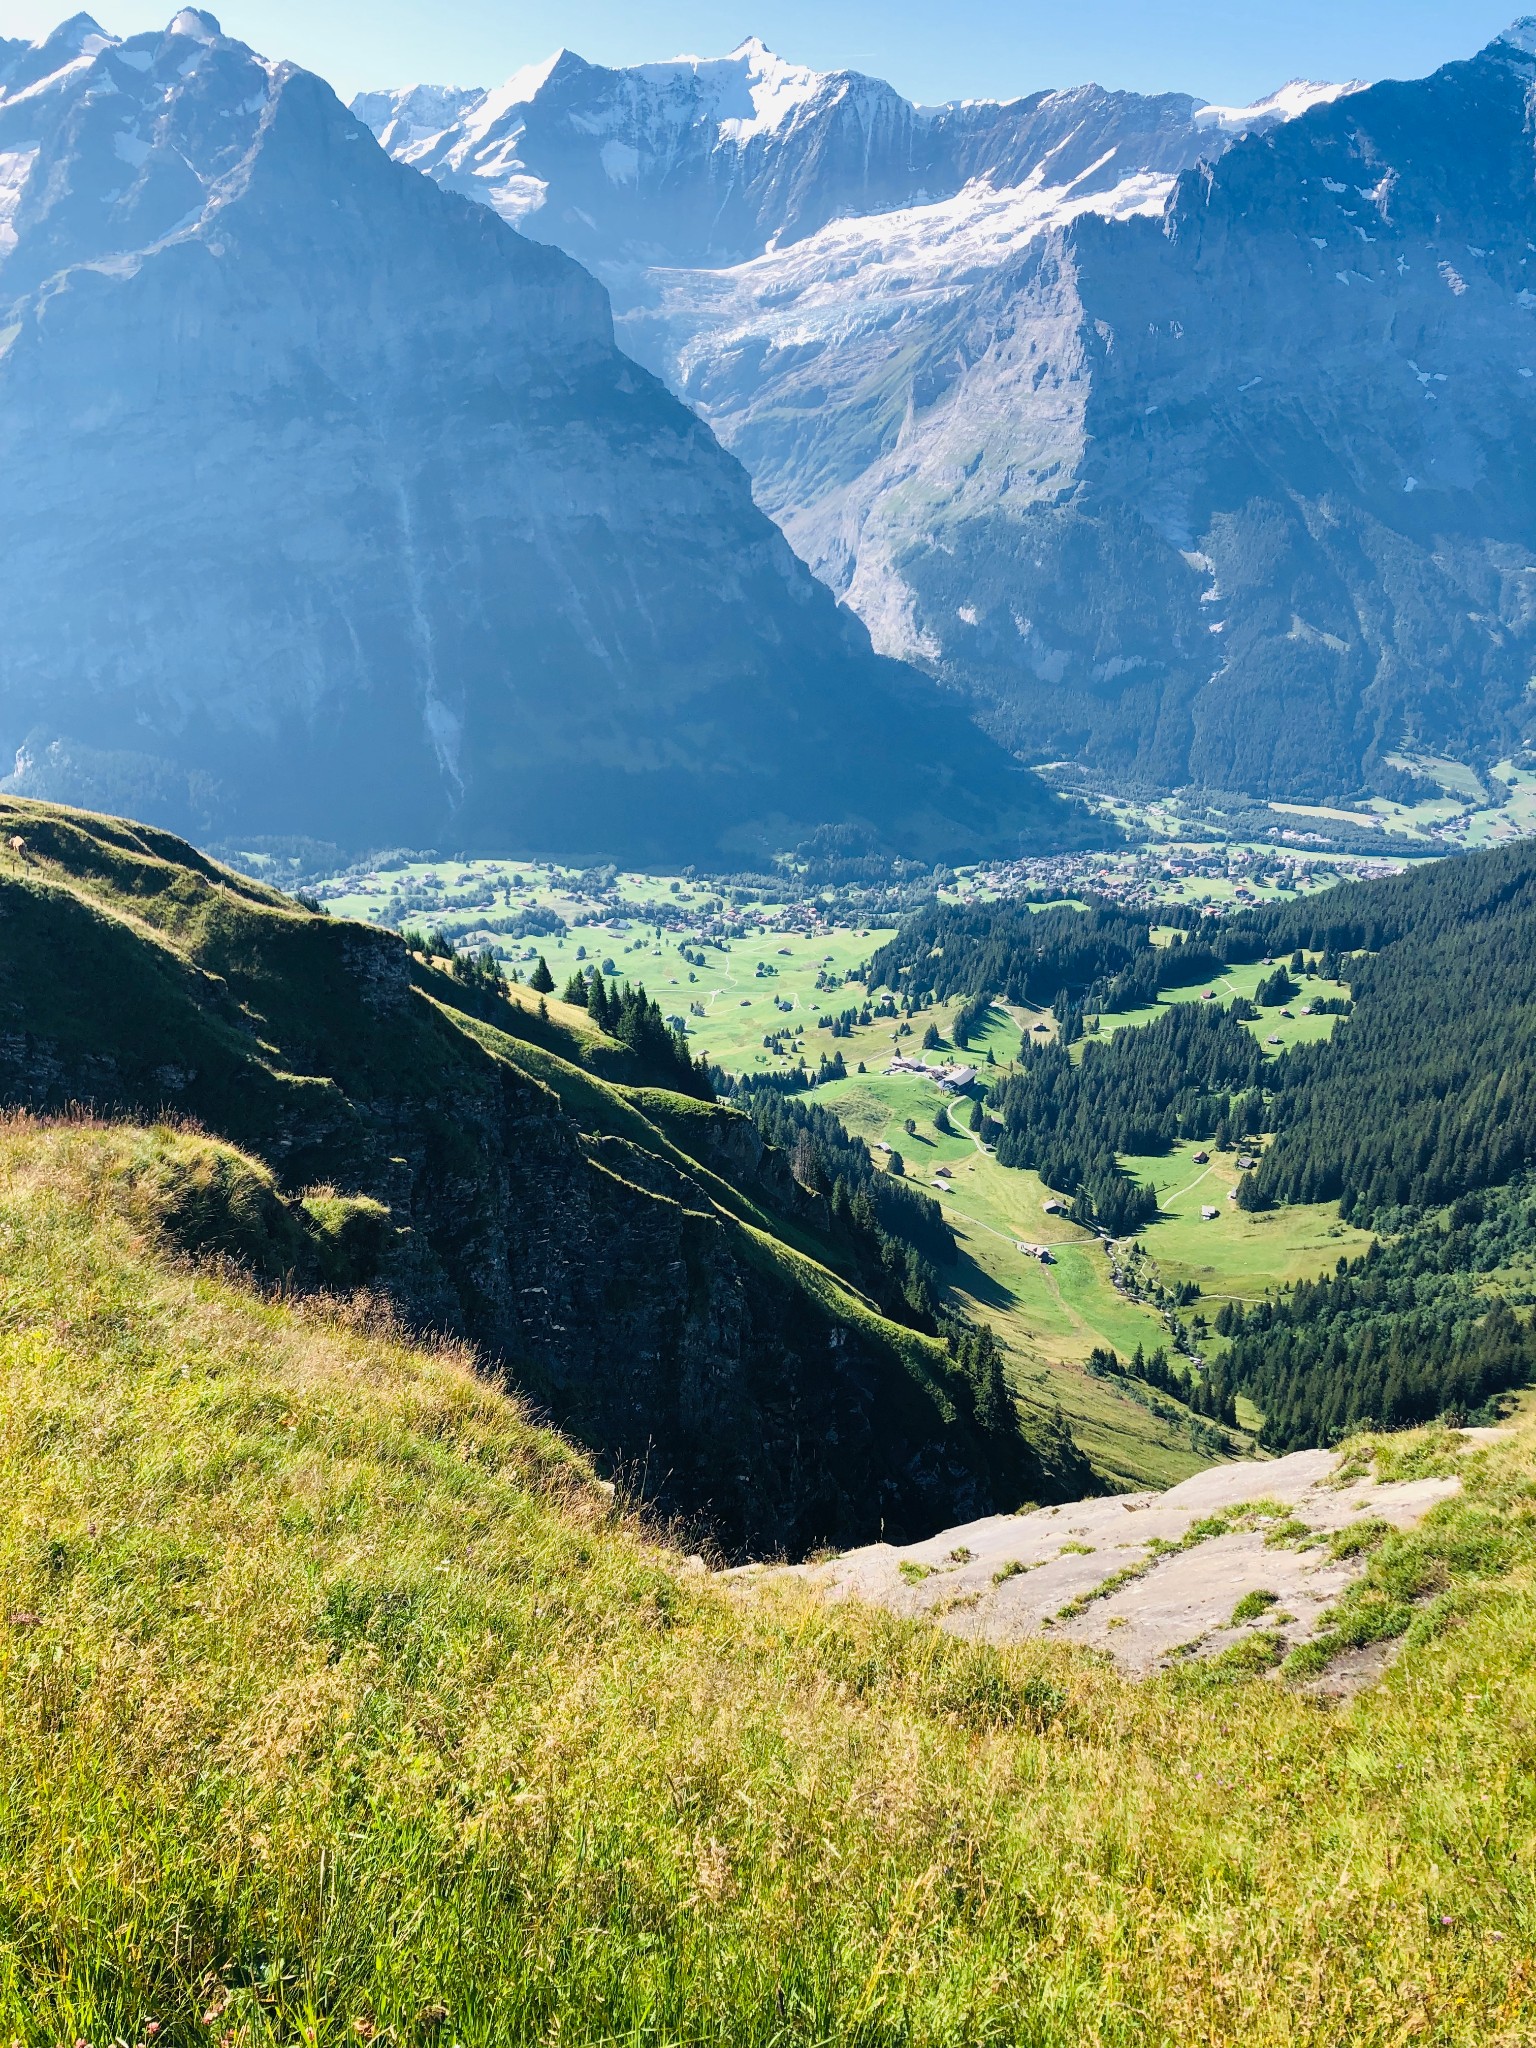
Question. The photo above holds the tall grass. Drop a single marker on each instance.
(340, 1704)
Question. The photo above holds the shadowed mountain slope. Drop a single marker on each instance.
(330, 507)
(637, 1260)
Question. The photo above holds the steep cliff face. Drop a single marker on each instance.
(328, 505)
(1286, 528)
(642, 1265)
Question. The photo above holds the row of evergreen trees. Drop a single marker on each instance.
(1208, 1393)
(635, 1019)
(624, 1011)
(892, 1235)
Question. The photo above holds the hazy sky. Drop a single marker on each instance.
(1231, 50)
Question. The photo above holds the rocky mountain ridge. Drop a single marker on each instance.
(712, 162)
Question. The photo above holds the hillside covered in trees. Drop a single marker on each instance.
(1188, 1075)
(1410, 1331)
(1424, 1096)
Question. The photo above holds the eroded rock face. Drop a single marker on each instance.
(329, 506)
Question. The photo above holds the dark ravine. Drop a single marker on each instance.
(328, 506)
(639, 1262)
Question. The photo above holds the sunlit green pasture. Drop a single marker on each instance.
(1270, 1024)
(1239, 1254)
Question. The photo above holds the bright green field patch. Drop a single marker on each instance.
(1243, 981)
(1240, 1254)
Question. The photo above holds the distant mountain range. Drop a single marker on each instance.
(1195, 443)
(328, 506)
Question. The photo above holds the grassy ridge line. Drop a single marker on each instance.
(338, 1702)
(634, 1114)
(659, 1330)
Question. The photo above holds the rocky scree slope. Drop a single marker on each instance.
(640, 1263)
(329, 506)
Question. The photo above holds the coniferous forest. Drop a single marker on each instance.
(1424, 1096)
(1187, 1075)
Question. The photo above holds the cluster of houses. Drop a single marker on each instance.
(955, 1079)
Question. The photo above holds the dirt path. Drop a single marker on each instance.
(1178, 1194)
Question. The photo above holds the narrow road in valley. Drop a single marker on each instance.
(1178, 1194)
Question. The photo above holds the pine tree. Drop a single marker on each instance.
(541, 978)
(978, 1115)
(576, 991)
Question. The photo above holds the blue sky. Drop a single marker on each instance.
(1229, 50)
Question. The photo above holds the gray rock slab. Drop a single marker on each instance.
(1136, 1575)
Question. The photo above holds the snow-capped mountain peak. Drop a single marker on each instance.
(197, 25)
(1520, 35)
(713, 161)
(524, 85)
(1298, 96)
(750, 91)
(25, 66)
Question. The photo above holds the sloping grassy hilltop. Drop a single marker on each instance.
(340, 1704)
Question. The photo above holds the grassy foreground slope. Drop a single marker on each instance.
(340, 1704)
